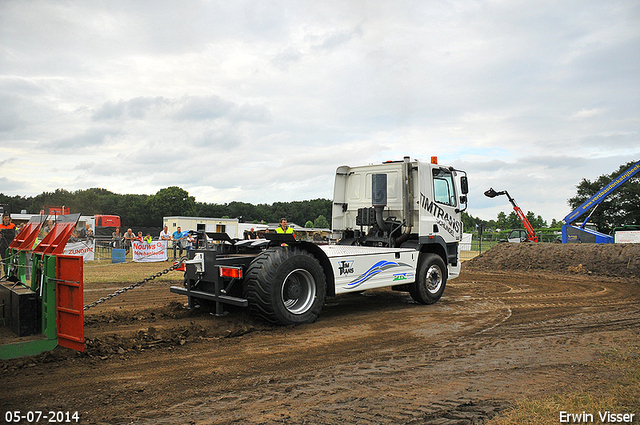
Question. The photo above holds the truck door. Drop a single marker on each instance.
(438, 203)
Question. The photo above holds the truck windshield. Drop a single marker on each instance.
(443, 187)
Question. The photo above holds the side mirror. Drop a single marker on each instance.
(464, 185)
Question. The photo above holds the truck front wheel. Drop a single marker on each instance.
(431, 280)
(286, 286)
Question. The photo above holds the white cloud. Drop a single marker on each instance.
(260, 102)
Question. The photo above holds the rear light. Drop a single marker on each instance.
(232, 272)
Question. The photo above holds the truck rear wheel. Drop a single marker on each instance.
(431, 280)
(286, 286)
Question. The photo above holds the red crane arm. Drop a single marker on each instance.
(530, 232)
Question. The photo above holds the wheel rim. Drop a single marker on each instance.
(434, 279)
(298, 291)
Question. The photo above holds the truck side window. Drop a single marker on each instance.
(443, 187)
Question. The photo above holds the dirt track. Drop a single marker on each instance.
(375, 357)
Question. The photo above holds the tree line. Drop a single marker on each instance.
(506, 221)
(148, 210)
(619, 208)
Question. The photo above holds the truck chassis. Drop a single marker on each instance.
(284, 281)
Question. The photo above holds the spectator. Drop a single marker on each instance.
(47, 227)
(283, 228)
(251, 234)
(7, 234)
(148, 239)
(140, 238)
(129, 237)
(74, 236)
(164, 234)
(86, 231)
(178, 242)
(116, 238)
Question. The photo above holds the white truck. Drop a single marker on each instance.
(397, 224)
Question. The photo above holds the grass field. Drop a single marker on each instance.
(127, 273)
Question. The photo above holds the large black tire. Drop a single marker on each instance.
(431, 280)
(285, 286)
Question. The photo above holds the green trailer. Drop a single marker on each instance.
(41, 300)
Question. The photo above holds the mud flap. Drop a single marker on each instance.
(69, 301)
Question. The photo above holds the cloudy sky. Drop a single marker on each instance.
(261, 101)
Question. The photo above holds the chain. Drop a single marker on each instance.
(135, 285)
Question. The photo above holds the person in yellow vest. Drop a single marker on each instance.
(283, 228)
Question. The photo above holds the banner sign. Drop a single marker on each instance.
(85, 249)
(627, 236)
(144, 252)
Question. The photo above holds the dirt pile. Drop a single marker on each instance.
(612, 260)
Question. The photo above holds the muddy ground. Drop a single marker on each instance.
(521, 320)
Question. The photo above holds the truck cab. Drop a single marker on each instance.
(401, 204)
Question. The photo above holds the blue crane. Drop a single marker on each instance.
(572, 233)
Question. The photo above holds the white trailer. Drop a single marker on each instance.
(208, 224)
